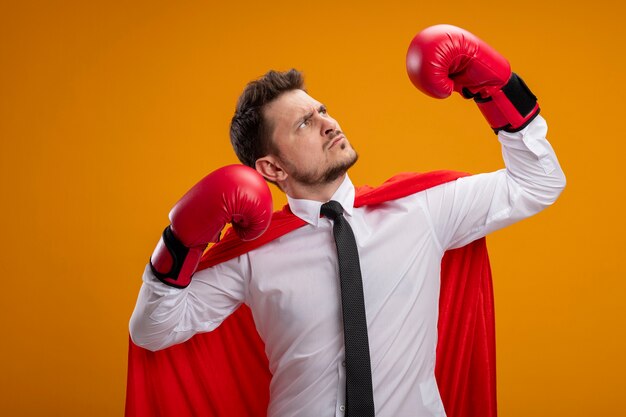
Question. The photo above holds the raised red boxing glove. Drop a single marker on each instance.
(445, 58)
(233, 194)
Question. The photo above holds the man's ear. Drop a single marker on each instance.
(270, 167)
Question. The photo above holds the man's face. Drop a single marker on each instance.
(310, 144)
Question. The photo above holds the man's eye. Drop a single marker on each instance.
(304, 124)
(323, 110)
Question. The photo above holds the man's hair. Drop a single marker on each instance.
(250, 133)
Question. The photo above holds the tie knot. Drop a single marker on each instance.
(332, 210)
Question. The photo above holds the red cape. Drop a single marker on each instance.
(225, 372)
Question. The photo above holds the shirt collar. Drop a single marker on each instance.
(309, 210)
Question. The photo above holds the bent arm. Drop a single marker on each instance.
(165, 316)
(471, 207)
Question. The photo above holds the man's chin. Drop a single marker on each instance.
(339, 170)
(328, 176)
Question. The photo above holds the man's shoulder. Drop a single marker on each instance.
(284, 221)
(402, 185)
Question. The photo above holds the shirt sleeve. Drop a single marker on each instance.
(471, 207)
(165, 315)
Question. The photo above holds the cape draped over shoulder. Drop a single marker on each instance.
(225, 372)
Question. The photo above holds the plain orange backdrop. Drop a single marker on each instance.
(111, 110)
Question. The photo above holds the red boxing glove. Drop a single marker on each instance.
(443, 58)
(233, 194)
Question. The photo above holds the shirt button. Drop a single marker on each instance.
(343, 363)
(342, 408)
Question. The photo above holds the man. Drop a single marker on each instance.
(291, 283)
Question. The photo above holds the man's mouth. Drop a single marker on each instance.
(336, 140)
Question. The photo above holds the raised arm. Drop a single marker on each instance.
(442, 59)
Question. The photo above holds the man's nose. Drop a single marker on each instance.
(328, 126)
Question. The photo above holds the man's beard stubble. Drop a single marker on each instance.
(330, 175)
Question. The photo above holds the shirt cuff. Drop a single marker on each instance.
(532, 139)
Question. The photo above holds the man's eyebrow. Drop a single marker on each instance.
(303, 118)
(309, 115)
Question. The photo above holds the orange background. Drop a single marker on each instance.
(110, 111)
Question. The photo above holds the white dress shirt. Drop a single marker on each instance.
(292, 285)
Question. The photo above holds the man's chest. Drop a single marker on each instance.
(295, 282)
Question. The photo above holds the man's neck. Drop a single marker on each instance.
(319, 192)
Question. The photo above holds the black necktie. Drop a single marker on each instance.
(359, 393)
